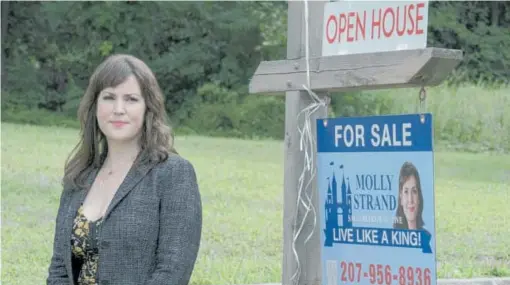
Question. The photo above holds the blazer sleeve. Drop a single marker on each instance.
(57, 273)
(180, 224)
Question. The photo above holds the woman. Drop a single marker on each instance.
(130, 211)
(410, 199)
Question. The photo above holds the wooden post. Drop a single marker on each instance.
(393, 69)
(295, 101)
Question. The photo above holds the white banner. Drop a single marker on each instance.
(351, 27)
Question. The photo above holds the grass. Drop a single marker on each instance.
(241, 184)
(469, 117)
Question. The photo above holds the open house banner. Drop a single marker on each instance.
(352, 27)
(376, 188)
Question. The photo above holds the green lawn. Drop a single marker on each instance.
(241, 185)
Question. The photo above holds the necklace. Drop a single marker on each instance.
(110, 170)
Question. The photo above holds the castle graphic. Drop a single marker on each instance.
(337, 213)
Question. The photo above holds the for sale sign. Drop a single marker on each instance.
(375, 179)
(352, 27)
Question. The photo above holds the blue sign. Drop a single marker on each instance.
(376, 188)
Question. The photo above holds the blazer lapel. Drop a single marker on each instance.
(134, 175)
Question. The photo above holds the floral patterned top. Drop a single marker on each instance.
(84, 245)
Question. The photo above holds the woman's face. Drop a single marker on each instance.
(409, 199)
(121, 111)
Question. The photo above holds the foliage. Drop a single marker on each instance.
(226, 113)
(186, 44)
(480, 30)
(466, 117)
(203, 54)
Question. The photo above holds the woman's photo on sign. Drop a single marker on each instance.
(410, 204)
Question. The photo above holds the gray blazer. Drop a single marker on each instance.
(151, 230)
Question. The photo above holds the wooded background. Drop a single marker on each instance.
(203, 54)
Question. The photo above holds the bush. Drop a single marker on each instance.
(470, 117)
(467, 117)
(224, 112)
(360, 104)
(262, 117)
(37, 117)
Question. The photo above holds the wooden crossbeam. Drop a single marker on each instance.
(394, 69)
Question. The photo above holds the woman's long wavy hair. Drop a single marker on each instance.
(156, 140)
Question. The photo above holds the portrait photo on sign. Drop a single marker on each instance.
(410, 205)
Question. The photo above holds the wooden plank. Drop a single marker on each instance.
(395, 69)
(295, 27)
(295, 101)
